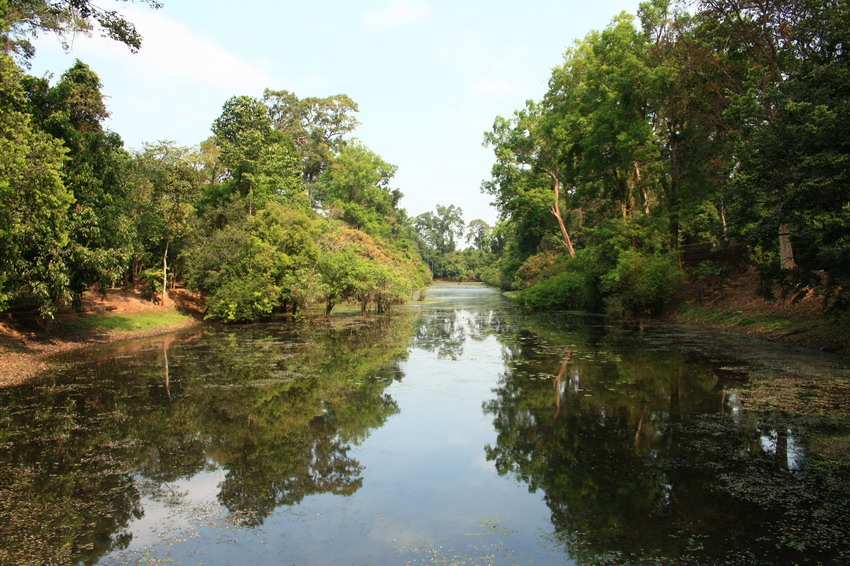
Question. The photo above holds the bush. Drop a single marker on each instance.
(642, 283)
(152, 277)
(242, 300)
(567, 290)
(538, 268)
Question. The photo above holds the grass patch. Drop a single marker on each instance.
(764, 321)
(124, 322)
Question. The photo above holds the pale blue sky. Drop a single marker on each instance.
(429, 75)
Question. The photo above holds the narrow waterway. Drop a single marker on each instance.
(454, 431)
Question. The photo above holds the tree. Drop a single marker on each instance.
(437, 232)
(525, 147)
(440, 228)
(33, 204)
(262, 162)
(356, 189)
(355, 266)
(97, 172)
(242, 132)
(794, 160)
(172, 184)
(28, 18)
(478, 234)
(316, 125)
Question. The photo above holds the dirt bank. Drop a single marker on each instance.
(732, 304)
(728, 304)
(26, 344)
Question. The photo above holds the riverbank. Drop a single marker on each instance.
(732, 304)
(120, 315)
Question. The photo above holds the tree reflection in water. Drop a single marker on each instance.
(275, 408)
(636, 438)
(639, 462)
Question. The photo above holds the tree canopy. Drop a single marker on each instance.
(718, 127)
(27, 19)
(276, 212)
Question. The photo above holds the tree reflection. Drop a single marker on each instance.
(276, 407)
(638, 464)
(446, 331)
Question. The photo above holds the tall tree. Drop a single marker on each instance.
(262, 162)
(478, 233)
(101, 230)
(33, 204)
(317, 126)
(172, 183)
(794, 160)
(526, 147)
(356, 188)
(441, 228)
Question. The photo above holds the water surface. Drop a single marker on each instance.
(457, 431)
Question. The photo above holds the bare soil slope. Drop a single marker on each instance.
(26, 343)
(733, 304)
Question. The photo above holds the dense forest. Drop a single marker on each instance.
(718, 125)
(280, 209)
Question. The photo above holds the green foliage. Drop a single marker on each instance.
(717, 126)
(33, 204)
(101, 231)
(642, 282)
(27, 19)
(356, 189)
(243, 300)
(289, 258)
(233, 217)
(437, 234)
(569, 290)
(249, 268)
(317, 126)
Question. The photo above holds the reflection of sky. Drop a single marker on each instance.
(428, 493)
(164, 520)
(794, 452)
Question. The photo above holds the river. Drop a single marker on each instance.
(453, 431)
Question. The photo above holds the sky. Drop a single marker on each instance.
(429, 76)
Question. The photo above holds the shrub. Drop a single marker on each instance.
(642, 283)
(242, 300)
(567, 290)
(538, 268)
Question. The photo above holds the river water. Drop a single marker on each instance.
(454, 431)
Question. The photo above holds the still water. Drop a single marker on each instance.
(455, 431)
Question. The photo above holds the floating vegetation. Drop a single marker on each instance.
(490, 547)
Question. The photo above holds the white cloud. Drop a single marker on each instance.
(170, 48)
(399, 13)
(498, 87)
(171, 51)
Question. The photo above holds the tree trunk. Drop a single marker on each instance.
(556, 211)
(643, 194)
(722, 211)
(786, 251)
